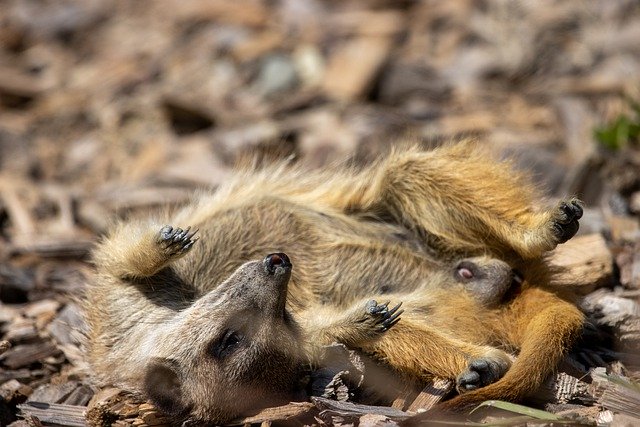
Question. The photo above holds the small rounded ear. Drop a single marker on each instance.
(163, 387)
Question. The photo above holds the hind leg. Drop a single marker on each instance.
(417, 350)
(461, 201)
(142, 249)
(544, 327)
(457, 198)
(408, 344)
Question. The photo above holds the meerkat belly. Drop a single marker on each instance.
(367, 269)
(371, 258)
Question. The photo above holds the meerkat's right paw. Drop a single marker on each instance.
(483, 371)
(380, 317)
(565, 219)
(176, 241)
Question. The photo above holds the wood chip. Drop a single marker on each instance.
(14, 391)
(41, 307)
(122, 199)
(586, 263)
(53, 393)
(52, 248)
(60, 415)
(622, 396)
(26, 354)
(621, 314)
(22, 333)
(404, 397)
(352, 68)
(431, 394)
(278, 413)
(349, 410)
(375, 420)
(624, 228)
(18, 212)
(256, 46)
(370, 23)
(80, 396)
(106, 396)
(155, 418)
(341, 373)
(4, 346)
(19, 84)
(562, 389)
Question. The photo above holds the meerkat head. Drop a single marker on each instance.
(487, 279)
(234, 351)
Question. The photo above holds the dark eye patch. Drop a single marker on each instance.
(225, 345)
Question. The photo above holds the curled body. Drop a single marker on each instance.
(215, 328)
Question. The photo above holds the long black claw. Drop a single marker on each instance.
(388, 323)
(176, 240)
(190, 235)
(188, 245)
(180, 235)
(384, 318)
(394, 309)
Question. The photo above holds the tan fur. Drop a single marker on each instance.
(393, 231)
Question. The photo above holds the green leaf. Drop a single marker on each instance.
(622, 131)
(614, 136)
(519, 409)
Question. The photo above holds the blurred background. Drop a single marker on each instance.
(113, 107)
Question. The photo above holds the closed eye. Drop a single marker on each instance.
(225, 345)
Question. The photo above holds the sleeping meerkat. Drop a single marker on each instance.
(288, 260)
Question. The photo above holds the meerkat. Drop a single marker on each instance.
(410, 260)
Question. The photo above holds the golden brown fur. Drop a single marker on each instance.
(397, 231)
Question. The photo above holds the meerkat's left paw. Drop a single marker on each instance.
(565, 219)
(176, 241)
(481, 372)
(381, 317)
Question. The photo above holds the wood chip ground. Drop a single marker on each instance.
(110, 109)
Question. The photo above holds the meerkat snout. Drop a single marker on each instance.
(277, 264)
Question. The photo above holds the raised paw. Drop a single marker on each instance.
(565, 220)
(381, 316)
(176, 241)
(481, 372)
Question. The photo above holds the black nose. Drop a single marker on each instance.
(277, 263)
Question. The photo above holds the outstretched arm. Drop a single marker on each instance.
(365, 321)
(139, 249)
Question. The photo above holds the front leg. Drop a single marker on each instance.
(141, 250)
(364, 322)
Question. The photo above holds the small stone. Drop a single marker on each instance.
(634, 202)
(277, 74)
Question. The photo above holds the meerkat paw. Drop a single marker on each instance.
(176, 242)
(565, 219)
(483, 371)
(380, 317)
